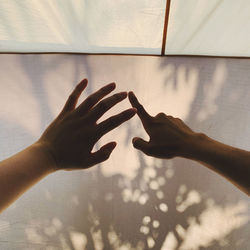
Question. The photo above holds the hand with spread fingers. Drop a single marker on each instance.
(73, 134)
(167, 134)
(66, 144)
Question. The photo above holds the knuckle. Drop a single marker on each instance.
(140, 107)
(103, 105)
(72, 96)
(161, 114)
(121, 116)
(90, 100)
(118, 97)
(111, 122)
(170, 118)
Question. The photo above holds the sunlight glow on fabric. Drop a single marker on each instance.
(82, 26)
(198, 27)
(132, 201)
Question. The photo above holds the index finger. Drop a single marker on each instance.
(73, 98)
(142, 113)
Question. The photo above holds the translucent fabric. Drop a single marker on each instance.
(94, 26)
(196, 27)
(132, 201)
(215, 27)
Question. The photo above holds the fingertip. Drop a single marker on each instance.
(113, 144)
(110, 146)
(112, 85)
(109, 149)
(83, 83)
(135, 139)
(133, 100)
(131, 95)
(123, 94)
(132, 111)
(109, 87)
(135, 145)
(128, 114)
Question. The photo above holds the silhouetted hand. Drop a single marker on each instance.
(168, 135)
(71, 137)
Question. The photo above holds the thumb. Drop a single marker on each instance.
(141, 144)
(102, 154)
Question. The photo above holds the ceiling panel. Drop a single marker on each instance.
(214, 27)
(94, 26)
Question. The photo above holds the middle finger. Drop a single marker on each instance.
(103, 106)
(114, 121)
(86, 105)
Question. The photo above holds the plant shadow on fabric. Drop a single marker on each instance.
(167, 204)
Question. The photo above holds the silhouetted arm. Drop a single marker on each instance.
(171, 137)
(66, 144)
(21, 171)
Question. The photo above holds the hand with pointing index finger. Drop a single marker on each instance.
(70, 138)
(168, 135)
(171, 137)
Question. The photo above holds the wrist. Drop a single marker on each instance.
(44, 156)
(192, 145)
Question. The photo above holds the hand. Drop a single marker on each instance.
(168, 135)
(71, 137)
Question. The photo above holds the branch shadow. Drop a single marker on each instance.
(153, 209)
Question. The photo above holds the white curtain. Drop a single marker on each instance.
(106, 26)
(195, 27)
(132, 201)
(214, 28)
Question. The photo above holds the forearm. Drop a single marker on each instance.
(20, 172)
(232, 163)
